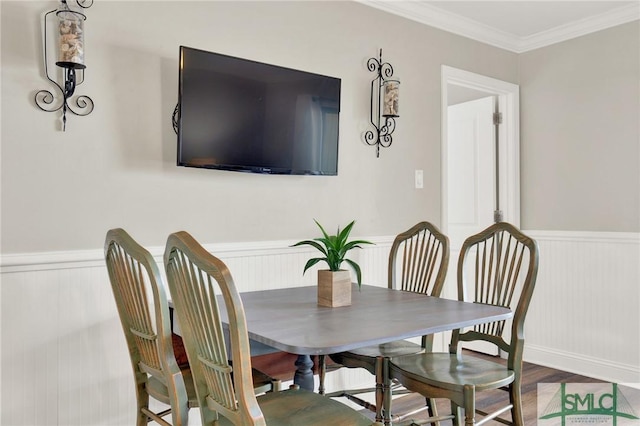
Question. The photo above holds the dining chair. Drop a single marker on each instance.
(144, 313)
(418, 262)
(200, 284)
(160, 365)
(497, 266)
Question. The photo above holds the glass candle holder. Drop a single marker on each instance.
(71, 39)
(391, 97)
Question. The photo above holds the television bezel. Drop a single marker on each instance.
(243, 168)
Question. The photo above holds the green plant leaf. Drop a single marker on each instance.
(322, 229)
(341, 236)
(312, 244)
(326, 241)
(334, 248)
(355, 244)
(356, 268)
(312, 262)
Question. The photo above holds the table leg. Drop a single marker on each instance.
(304, 373)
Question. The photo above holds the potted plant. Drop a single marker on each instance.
(334, 284)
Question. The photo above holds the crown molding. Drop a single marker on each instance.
(582, 27)
(438, 18)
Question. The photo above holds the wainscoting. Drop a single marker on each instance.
(64, 359)
(585, 314)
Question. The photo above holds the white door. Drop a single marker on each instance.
(471, 168)
(471, 172)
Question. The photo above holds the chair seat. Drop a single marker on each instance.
(365, 357)
(449, 371)
(159, 390)
(389, 350)
(300, 407)
(261, 381)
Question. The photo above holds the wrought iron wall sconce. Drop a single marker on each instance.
(175, 118)
(384, 104)
(70, 44)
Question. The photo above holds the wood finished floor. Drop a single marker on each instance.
(279, 365)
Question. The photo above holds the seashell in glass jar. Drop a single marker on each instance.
(71, 39)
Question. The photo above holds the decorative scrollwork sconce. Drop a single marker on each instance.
(384, 104)
(70, 59)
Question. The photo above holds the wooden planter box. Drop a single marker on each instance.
(334, 288)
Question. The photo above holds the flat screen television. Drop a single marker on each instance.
(241, 115)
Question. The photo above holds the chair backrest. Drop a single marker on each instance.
(144, 313)
(419, 259)
(499, 266)
(195, 278)
(418, 262)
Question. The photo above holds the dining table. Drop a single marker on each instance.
(290, 320)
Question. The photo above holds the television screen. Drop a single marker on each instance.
(242, 115)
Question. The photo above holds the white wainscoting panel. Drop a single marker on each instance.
(64, 359)
(585, 312)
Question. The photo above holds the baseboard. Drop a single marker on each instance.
(583, 365)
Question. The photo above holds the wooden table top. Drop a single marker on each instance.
(290, 320)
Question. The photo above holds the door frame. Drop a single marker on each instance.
(509, 158)
(509, 133)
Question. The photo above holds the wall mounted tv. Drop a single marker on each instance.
(242, 115)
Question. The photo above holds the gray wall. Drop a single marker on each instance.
(580, 133)
(116, 167)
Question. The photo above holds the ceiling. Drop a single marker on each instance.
(515, 25)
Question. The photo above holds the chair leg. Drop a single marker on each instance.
(383, 362)
(456, 411)
(469, 405)
(432, 410)
(381, 408)
(322, 371)
(142, 401)
(178, 400)
(515, 397)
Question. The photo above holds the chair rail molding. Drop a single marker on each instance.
(41, 261)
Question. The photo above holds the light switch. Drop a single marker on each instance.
(419, 179)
